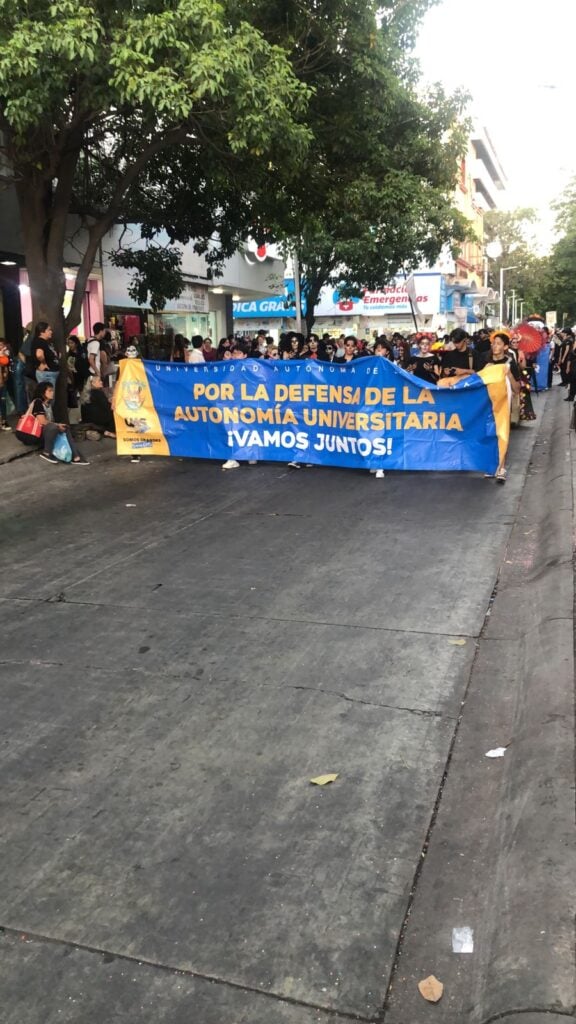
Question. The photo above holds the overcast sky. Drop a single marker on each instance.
(516, 59)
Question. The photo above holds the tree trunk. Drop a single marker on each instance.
(46, 277)
(312, 291)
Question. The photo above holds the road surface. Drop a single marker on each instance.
(184, 649)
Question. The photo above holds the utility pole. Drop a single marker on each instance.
(297, 296)
(502, 272)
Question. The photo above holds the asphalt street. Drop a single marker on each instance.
(183, 649)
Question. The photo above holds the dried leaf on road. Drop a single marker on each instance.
(457, 641)
(323, 780)
(431, 989)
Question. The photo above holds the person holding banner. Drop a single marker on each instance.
(426, 364)
(460, 360)
(499, 357)
(240, 351)
(350, 350)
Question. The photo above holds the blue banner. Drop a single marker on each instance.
(368, 414)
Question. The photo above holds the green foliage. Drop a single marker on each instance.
(93, 93)
(514, 230)
(560, 291)
(163, 63)
(374, 192)
(157, 276)
(292, 119)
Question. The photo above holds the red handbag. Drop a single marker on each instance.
(28, 424)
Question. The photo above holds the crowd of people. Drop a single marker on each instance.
(426, 355)
(435, 360)
(29, 376)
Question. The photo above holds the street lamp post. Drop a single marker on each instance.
(493, 251)
(502, 272)
(521, 303)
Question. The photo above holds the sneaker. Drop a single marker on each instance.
(379, 474)
(501, 476)
(294, 465)
(135, 458)
(6, 426)
(49, 458)
(231, 464)
(80, 462)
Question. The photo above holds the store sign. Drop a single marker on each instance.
(391, 299)
(273, 306)
(192, 300)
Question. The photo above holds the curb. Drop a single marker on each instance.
(6, 459)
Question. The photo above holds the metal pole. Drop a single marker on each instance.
(296, 270)
(416, 328)
(502, 271)
(522, 301)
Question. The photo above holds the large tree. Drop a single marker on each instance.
(560, 292)
(375, 192)
(295, 119)
(96, 94)
(527, 278)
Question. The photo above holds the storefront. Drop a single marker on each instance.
(188, 315)
(92, 308)
(389, 309)
(378, 312)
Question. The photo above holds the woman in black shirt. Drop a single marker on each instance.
(41, 408)
(44, 354)
(97, 411)
(425, 365)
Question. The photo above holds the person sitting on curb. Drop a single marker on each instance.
(41, 408)
(97, 411)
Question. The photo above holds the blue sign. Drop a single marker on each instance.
(271, 307)
(368, 414)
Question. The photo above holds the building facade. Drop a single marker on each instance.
(205, 305)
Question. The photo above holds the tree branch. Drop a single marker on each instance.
(99, 228)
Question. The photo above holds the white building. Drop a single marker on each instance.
(205, 305)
